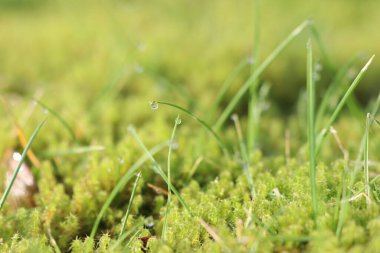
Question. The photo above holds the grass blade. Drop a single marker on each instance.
(125, 235)
(57, 116)
(129, 204)
(251, 80)
(332, 88)
(201, 122)
(177, 122)
(253, 114)
(311, 128)
(121, 184)
(341, 103)
(244, 153)
(227, 84)
(157, 169)
(366, 175)
(73, 151)
(23, 156)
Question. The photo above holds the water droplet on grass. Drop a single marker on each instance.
(178, 121)
(153, 105)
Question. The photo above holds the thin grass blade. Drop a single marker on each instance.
(129, 205)
(201, 122)
(17, 170)
(121, 184)
(311, 128)
(260, 69)
(58, 117)
(158, 170)
(165, 228)
(341, 103)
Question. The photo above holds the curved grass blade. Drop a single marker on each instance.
(201, 122)
(341, 103)
(227, 83)
(58, 116)
(177, 122)
(23, 156)
(260, 69)
(129, 204)
(121, 184)
(158, 170)
(333, 87)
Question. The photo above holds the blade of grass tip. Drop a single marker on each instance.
(164, 230)
(157, 168)
(121, 184)
(374, 111)
(179, 89)
(366, 175)
(20, 134)
(345, 206)
(129, 204)
(311, 128)
(154, 105)
(243, 150)
(252, 109)
(341, 103)
(73, 151)
(247, 84)
(125, 235)
(332, 88)
(322, 47)
(227, 84)
(57, 116)
(23, 156)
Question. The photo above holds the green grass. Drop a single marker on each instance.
(22, 159)
(295, 170)
(311, 91)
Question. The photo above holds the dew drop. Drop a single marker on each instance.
(250, 60)
(16, 156)
(46, 111)
(174, 145)
(121, 160)
(139, 69)
(178, 121)
(153, 105)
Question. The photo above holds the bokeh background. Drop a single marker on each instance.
(180, 51)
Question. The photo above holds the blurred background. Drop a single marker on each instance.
(180, 51)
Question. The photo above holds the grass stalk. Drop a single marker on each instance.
(22, 159)
(332, 89)
(125, 235)
(227, 84)
(121, 184)
(165, 228)
(366, 174)
(157, 168)
(311, 128)
(200, 121)
(129, 205)
(253, 115)
(259, 70)
(57, 116)
(341, 103)
(244, 153)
